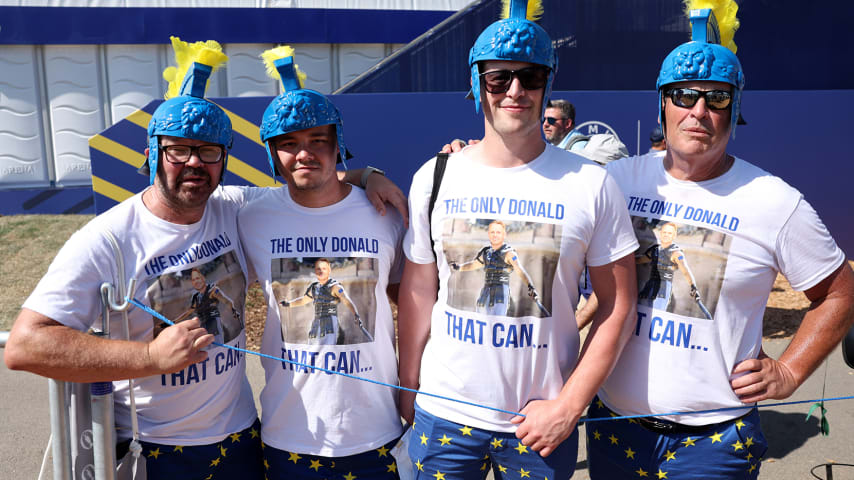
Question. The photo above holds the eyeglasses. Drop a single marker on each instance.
(181, 153)
(531, 78)
(552, 120)
(688, 97)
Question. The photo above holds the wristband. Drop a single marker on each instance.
(366, 173)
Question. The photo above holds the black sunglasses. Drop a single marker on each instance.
(552, 120)
(182, 153)
(531, 78)
(688, 97)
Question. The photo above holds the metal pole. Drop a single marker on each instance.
(4, 337)
(103, 417)
(61, 446)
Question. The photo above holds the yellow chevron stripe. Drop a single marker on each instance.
(244, 127)
(139, 118)
(110, 190)
(115, 149)
(249, 173)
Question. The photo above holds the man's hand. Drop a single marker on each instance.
(456, 145)
(545, 425)
(285, 303)
(380, 190)
(763, 378)
(694, 293)
(407, 406)
(454, 265)
(532, 291)
(179, 346)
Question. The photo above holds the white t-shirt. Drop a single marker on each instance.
(734, 233)
(560, 211)
(304, 410)
(207, 401)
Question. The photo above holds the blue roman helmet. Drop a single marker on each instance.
(186, 113)
(297, 108)
(709, 56)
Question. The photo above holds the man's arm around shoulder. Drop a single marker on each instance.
(43, 346)
(547, 423)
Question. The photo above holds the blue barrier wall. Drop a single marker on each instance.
(796, 135)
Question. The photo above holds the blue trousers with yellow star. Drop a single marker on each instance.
(625, 449)
(377, 464)
(236, 456)
(443, 450)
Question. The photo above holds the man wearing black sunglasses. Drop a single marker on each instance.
(574, 213)
(558, 126)
(694, 369)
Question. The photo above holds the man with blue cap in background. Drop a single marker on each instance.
(576, 214)
(196, 417)
(317, 424)
(695, 368)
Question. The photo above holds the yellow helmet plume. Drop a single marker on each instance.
(270, 56)
(534, 12)
(725, 11)
(208, 53)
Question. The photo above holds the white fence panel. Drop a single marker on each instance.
(134, 76)
(74, 94)
(21, 148)
(356, 58)
(246, 73)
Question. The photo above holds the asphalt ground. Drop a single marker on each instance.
(796, 444)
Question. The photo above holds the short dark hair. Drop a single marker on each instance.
(566, 108)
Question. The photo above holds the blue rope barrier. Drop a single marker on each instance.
(487, 407)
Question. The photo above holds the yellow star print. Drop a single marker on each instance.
(439, 475)
(209, 477)
(154, 453)
(670, 455)
(641, 472)
(716, 437)
(502, 469)
(445, 440)
(349, 476)
(315, 464)
(235, 437)
(466, 430)
(749, 456)
(688, 442)
(661, 474)
(266, 464)
(596, 434)
(752, 468)
(629, 452)
(293, 457)
(253, 433)
(524, 473)
(521, 448)
(214, 462)
(748, 442)
(737, 446)
(392, 467)
(222, 450)
(496, 442)
(600, 404)
(424, 439)
(179, 448)
(383, 451)
(483, 467)
(739, 424)
(419, 465)
(614, 440)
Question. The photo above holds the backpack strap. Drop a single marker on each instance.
(438, 173)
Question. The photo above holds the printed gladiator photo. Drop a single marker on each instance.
(501, 267)
(215, 292)
(326, 301)
(680, 267)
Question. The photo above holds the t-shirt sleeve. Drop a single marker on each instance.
(806, 253)
(416, 242)
(69, 292)
(613, 237)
